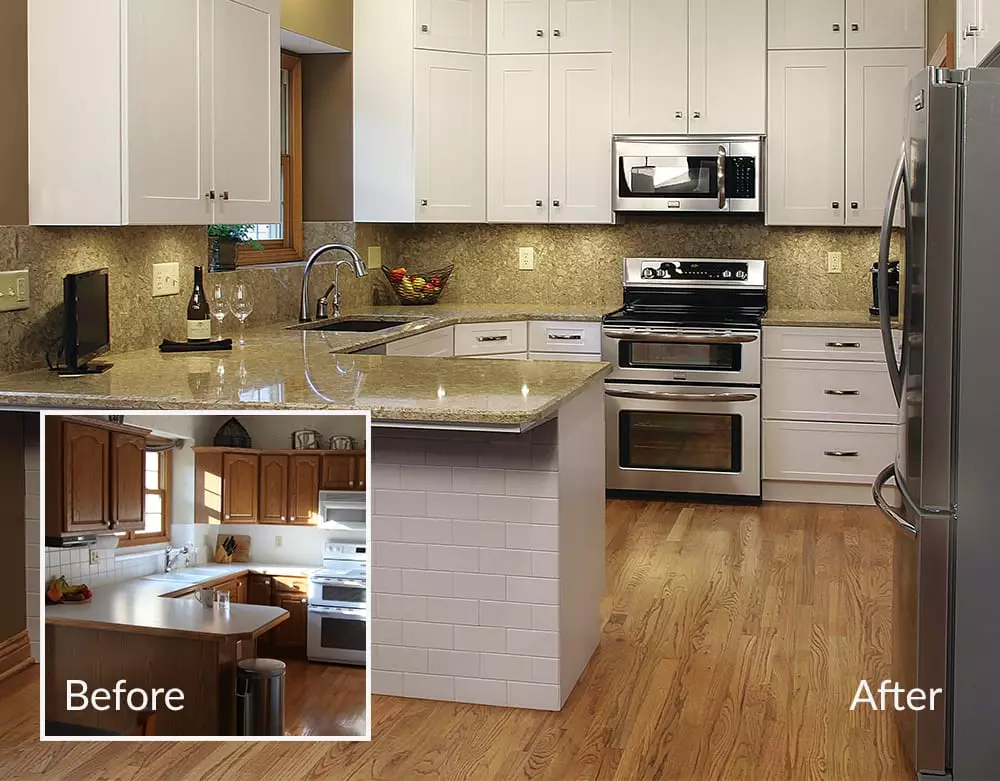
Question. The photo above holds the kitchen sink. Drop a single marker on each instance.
(178, 577)
(364, 326)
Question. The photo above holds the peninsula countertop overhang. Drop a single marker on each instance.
(289, 368)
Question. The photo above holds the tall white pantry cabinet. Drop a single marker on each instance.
(147, 112)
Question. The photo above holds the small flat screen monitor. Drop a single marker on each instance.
(87, 332)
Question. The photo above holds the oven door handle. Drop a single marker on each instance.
(718, 398)
(675, 338)
(336, 611)
(338, 582)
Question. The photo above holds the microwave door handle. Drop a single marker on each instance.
(721, 176)
(900, 179)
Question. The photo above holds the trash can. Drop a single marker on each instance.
(260, 697)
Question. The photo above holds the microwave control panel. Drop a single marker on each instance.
(741, 177)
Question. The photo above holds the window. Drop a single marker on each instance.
(156, 509)
(283, 242)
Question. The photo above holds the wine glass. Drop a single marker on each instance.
(219, 306)
(241, 305)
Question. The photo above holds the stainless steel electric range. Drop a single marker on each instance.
(683, 401)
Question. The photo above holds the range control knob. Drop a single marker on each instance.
(741, 275)
(727, 274)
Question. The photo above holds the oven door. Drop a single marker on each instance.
(683, 439)
(337, 634)
(337, 592)
(700, 355)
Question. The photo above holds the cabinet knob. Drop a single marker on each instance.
(227, 517)
(836, 28)
(225, 195)
(855, 28)
(555, 203)
(210, 195)
(540, 33)
(423, 201)
(267, 582)
(836, 204)
(557, 33)
(854, 204)
(679, 115)
(293, 517)
(424, 28)
(282, 517)
(538, 203)
(303, 601)
(696, 115)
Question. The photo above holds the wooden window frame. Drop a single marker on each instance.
(131, 539)
(291, 248)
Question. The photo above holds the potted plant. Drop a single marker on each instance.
(223, 242)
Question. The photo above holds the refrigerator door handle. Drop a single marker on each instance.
(884, 506)
(900, 179)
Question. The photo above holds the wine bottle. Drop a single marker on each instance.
(199, 316)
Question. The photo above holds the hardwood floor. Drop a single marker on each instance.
(324, 699)
(735, 638)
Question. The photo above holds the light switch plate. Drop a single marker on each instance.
(374, 258)
(278, 541)
(834, 263)
(95, 558)
(14, 291)
(526, 258)
(166, 279)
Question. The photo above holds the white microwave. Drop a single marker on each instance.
(689, 174)
(343, 510)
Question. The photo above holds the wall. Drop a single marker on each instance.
(299, 545)
(327, 137)
(942, 16)
(582, 264)
(274, 432)
(112, 565)
(14, 128)
(329, 21)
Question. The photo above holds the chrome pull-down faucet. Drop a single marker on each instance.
(321, 305)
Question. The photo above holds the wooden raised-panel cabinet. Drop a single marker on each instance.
(303, 488)
(289, 637)
(128, 465)
(339, 472)
(360, 472)
(805, 24)
(805, 182)
(86, 489)
(273, 488)
(240, 486)
(450, 25)
(258, 590)
(236, 588)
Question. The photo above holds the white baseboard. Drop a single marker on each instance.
(823, 493)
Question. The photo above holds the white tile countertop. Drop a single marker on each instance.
(146, 605)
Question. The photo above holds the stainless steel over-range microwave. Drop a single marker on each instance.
(689, 174)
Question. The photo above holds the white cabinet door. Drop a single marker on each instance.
(728, 72)
(245, 114)
(449, 117)
(168, 166)
(885, 23)
(650, 48)
(450, 25)
(805, 183)
(517, 26)
(989, 16)
(580, 151)
(805, 24)
(877, 106)
(978, 31)
(580, 26)
(518, 139)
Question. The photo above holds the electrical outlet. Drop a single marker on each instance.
(834, 263)
(166, 279)
(374, 258)
(14, 293)
(278, 541)
(95, 558)
(526, 258)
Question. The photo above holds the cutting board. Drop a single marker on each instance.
(242, 552)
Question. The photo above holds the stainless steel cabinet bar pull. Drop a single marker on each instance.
(720, 398)
(566, 337)
(839, 345)
(832, 392)
(842, 453)
(654, 336)
(497, 338)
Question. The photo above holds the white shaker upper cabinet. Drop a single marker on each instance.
(580, 26)
(877, 82)
(449, 116)
(247, 131)
(650, 66)
(580, 151)
(805, 182)
(517, 26)
(885, 23)
(978, 31)
(518, 140)
(450, 25)
(805, 24)
(728, 73)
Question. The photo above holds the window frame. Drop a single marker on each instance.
(137, 537)
(291, 247)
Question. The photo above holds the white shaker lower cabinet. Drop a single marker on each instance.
(146, 112)
(829, 414)
(881, 24)
(876, 83)
(449, 118)
(805, 144)
(439, 343)
(491, 339)
(805, 24)
(564, 337)
(580, 169)
(450, 25)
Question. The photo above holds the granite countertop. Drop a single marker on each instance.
(287, 368)
(823, 318)
(146, 605)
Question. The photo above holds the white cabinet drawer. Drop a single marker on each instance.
(827, 391)
(827, 452)
(555, 337)
(439, 343)
(595, 357)
(500, 357)
(825, 344)
(491, 338)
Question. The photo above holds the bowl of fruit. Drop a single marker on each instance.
(60, 592)
(417, 288)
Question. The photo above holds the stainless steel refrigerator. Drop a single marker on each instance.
(946, 611)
